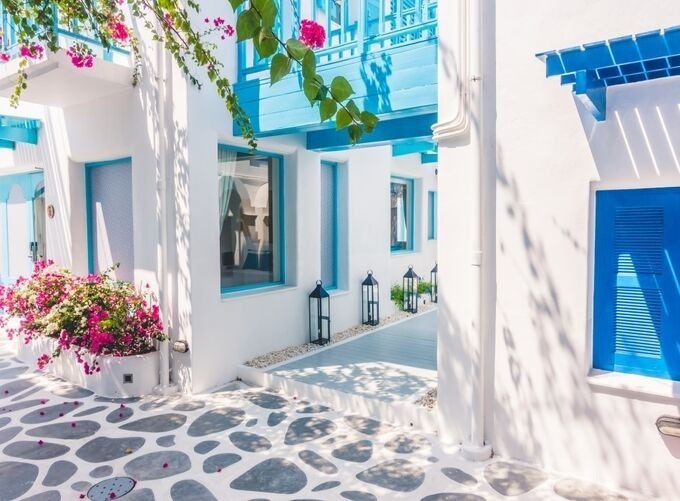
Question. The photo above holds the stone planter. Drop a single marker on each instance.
(131, 376)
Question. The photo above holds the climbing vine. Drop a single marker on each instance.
(193, 43)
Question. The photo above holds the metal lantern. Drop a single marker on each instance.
(411, 279)
(370, 300)
(319, 315)
(433, 284)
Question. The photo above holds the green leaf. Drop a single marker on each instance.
(235, 4)
(297, 49)
(280, 67)
(342, 119)
(313, 88)
(309, 65)
(355, 133)
(267, 10)
(341, 89)
(369, 120)
(353, 109)
(246, 25)
(265, 43)
(327, 109)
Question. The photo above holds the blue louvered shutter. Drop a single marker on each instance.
(637, 295)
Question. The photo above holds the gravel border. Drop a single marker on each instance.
(279, 356)
(429, 400)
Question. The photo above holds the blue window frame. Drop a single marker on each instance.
(401, 214)
(636, 311)
(109, 220)
(432, 215)
(329, 225)
(250, 191)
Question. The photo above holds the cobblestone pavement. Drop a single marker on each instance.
(58, 441)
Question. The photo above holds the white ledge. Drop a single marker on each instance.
(635, 386)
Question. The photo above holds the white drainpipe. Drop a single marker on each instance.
(164, 387)
(469, 123)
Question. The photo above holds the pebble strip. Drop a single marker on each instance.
(429, 400)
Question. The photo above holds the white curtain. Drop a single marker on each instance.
(226, 169)
(402, 233)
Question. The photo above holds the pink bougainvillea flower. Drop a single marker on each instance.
(118, 29)
(312, 34)
(40, 442)
(81, 57)
(31, 51)
(229, 30)
(5, 57)
(168, 20)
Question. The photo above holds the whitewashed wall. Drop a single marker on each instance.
(551, 156)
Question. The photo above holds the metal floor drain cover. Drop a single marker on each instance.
(111, 488)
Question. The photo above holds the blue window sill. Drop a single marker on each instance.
(258, 290)
(404, 251)
(634, 386)
(334, 292)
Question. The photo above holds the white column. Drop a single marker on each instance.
(466, 160)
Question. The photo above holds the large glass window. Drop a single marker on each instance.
(401, 214)
(250, 219)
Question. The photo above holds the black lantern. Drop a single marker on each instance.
(411, 279)
(433, 283)
(370, 301)
(319, 315)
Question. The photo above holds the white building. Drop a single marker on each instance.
(154, 177)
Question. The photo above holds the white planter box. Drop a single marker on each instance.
(131, 376)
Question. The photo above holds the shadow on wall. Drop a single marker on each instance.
(637, 146)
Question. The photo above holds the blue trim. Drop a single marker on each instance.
(410, 147)
(7, 145)
(594, 67)
(432, 215)
(429, 158)
(89, 224)
(333, 284)
(226, 291)
(410, 195)
(405, 129)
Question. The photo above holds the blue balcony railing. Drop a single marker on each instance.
(68, 32)
(353, 27)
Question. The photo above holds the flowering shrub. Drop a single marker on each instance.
(31, 51)
(94, 315)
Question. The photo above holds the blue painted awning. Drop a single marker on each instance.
(593, 67)
(18, 130)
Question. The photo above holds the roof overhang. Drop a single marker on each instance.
(592, 68)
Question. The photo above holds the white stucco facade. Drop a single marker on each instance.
(183, 125)
(526, 373)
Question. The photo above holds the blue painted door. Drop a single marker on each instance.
(109, 217)
(637, 293)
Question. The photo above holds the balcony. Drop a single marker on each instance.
(53, 80)
(387, 49)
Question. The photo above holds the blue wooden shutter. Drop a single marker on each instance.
(637, 295)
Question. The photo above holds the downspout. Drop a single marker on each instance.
(475, 448)
(469, 123)
(164, 387)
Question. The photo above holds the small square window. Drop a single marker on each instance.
(401, 214)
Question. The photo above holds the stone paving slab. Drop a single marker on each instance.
(241, 443)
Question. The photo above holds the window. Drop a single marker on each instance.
(329, 225)
(250, 219)
(401, 214)
(432, 215)
(636, 309)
